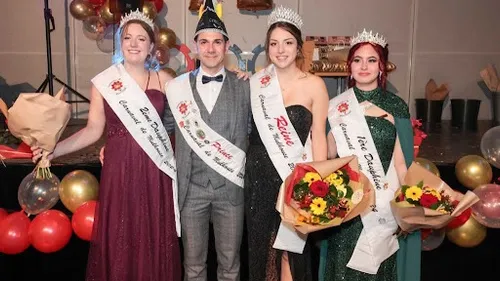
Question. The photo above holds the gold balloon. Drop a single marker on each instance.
(428, 165)
(106, 14)
(149, 9)
(77, 188)
(166, 38)
(162, 55)
(468, 235)
(81, 9)
(473, 171)
(170, 71)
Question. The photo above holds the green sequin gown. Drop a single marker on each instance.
(338, 247)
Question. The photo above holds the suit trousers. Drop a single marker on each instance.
(203, 204)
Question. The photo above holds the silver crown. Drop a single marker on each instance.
(282, 14)
(137, 15)
(369, 37)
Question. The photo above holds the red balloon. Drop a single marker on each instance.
(50, 231)
(158, 4)
(3, 214)
(14, 233)
(83, 220)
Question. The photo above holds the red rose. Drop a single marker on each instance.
(319, 188)
(428, 200)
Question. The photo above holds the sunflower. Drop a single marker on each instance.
(413, 192)
(311, 177)
(318, 206)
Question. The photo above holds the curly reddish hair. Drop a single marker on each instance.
(383, 54)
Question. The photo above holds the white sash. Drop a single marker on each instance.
(282, 142)
(377, 241)
(138, 115)
(217, 152)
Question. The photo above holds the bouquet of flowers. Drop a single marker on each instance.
(39, 119)
(418, 136)
(324, 194)
(426, 201)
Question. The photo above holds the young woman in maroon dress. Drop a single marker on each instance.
(134, 236)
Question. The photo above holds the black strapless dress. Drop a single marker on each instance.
(262, 183)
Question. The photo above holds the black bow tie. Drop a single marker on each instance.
(205, 79)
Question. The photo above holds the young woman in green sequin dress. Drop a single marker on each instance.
(388, 120)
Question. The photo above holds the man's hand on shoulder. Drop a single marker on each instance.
(241, 74)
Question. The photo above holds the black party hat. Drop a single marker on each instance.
(209, 20)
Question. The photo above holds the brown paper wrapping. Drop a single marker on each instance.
(39, 119)
(290, 212)
(3, 108)
(410, 217)
(433, 92)
(490, 78)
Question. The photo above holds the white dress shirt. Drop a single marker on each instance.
(209, 92)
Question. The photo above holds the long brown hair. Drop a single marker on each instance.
(383, 54)
(296, 33)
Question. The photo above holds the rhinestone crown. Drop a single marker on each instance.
(282, 14)
(369, 37)
(137, 15)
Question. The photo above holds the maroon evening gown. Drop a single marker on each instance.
(134, 235)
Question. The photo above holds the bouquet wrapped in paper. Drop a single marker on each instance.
(39, 119)
(427, 202)
(319, 195)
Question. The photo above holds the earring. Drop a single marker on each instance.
(380, 75)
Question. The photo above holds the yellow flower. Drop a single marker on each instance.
(315, 219)
(310, 177)
(318, 206)
(342, 188)
(428, 189)
(413, 192)
(334, 179)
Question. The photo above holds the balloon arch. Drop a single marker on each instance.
(100, 22)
